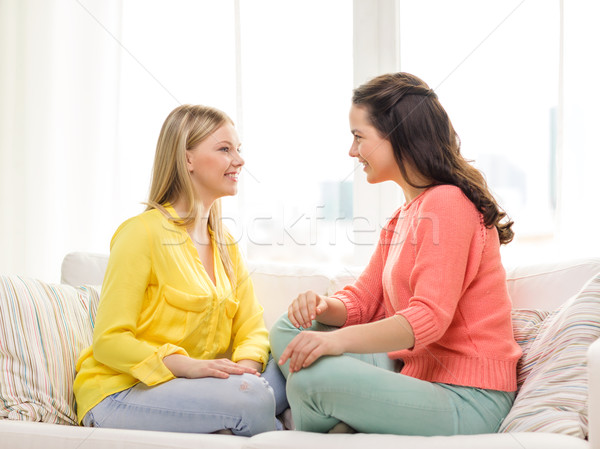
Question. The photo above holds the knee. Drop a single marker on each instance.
(256, 403)
(254, 390)
(303, 384)
(283, 326)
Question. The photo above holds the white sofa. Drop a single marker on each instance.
(543, 287)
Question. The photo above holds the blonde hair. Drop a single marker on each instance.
(184, 128)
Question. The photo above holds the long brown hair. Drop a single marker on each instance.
(405, 111)
(184, 128)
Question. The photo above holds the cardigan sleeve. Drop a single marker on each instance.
(249, 333)
(123, 291)
(449, 236)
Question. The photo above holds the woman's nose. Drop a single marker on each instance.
(239, 160)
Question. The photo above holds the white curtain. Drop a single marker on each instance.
(85, 86)
(58, 108)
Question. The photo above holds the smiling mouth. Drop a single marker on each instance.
(232, 176)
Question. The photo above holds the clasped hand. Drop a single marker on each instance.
(184, 366)
(308, 346)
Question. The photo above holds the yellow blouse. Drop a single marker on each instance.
(157, 299)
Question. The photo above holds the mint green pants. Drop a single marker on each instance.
(365, 392)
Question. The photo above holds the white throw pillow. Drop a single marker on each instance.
(43, 328)
(553, 374)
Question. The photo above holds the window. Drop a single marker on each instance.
(284, 71)
(494, 66)
(173, 53)
(295, 202)
(286, 84)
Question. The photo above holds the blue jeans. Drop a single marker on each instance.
(244, 404)
(367, 393)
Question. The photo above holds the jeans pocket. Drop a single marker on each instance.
(121, 395)
(97, 416)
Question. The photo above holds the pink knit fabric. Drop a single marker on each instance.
(439, 266)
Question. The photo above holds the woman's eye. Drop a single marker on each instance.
(226, 149)
(356, 137)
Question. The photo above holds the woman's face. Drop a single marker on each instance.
(372, 151)
(215, 164)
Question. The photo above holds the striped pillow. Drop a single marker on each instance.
(526, 326)
(42, 330)
(553, 369)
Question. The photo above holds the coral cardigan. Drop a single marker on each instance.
(157, 299)
(438, 265)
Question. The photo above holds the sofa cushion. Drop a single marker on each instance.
(29, 435)
(303, 440)
(43, 328)
(553, 377)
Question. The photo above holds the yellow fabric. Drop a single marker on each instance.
(157, 299)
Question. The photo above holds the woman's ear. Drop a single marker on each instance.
(189, 157)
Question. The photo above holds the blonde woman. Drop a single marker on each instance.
(177, 297)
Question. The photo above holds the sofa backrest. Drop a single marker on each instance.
(79, 268)
(275, 285)
(542, 286)
(547, 286)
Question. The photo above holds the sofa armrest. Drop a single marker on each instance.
(594, 394)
